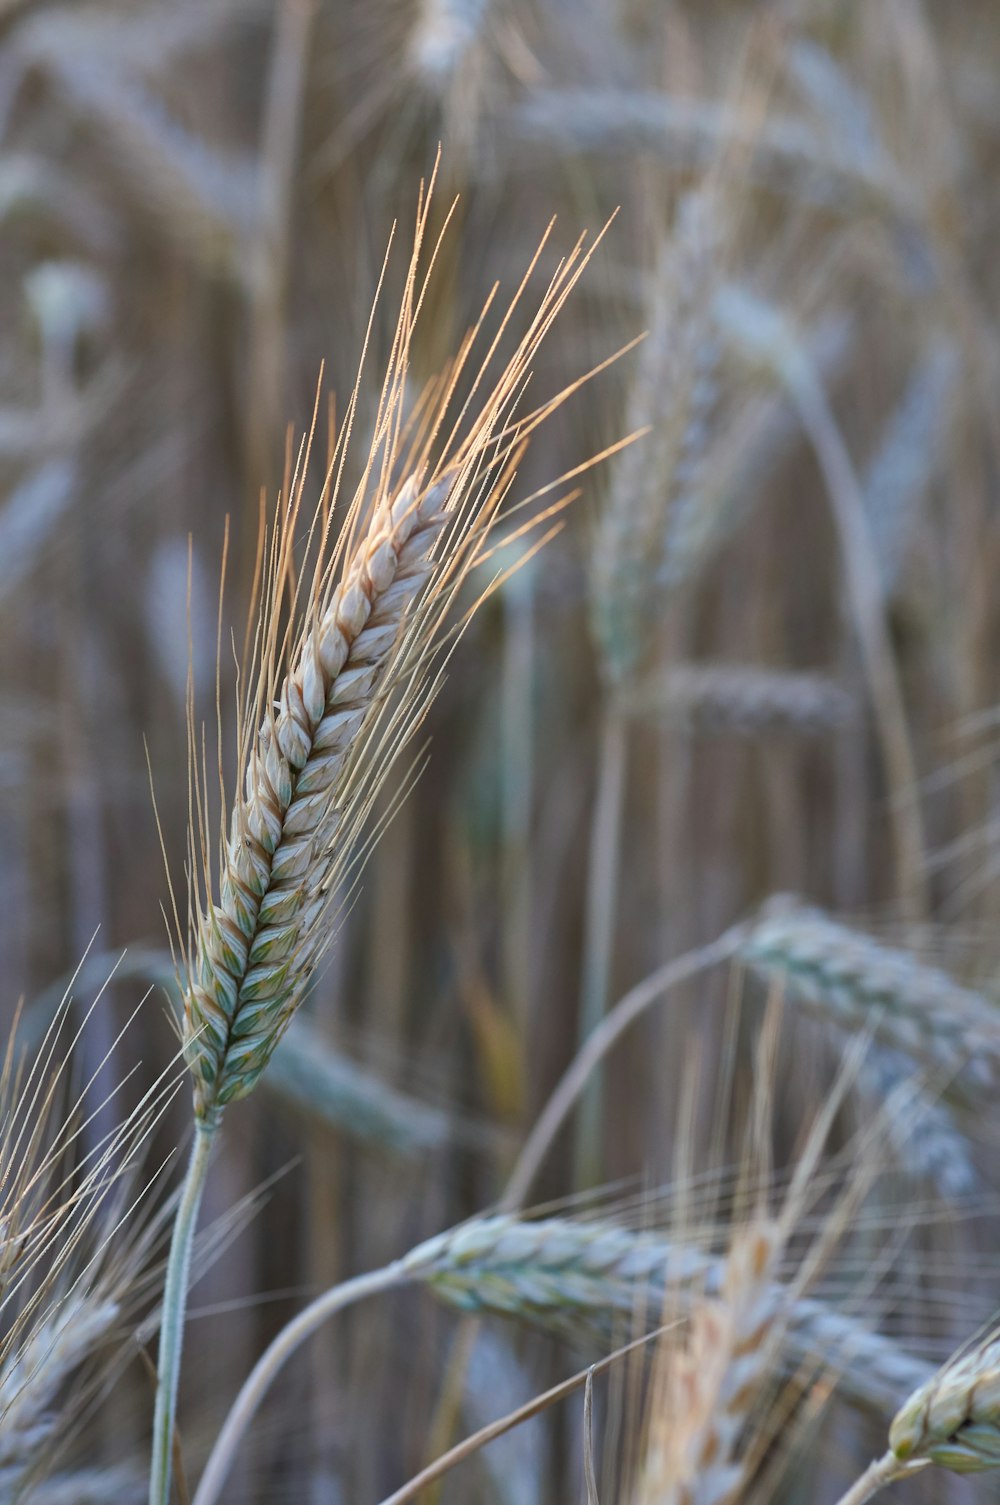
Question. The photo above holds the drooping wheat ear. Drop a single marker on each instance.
(952, 1420)
(574, 1276)
(567, 1276)
(780, 152)
(857, 982)
(672, 395)
(709, 1383)
(924, 1137)
(744, 700)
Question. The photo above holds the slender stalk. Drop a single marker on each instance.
(875, 1477)
(602, 898)
(271, 1360)
(864, 588)
(174, 1304)
(595, 1047)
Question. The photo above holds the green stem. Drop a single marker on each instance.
(602, 899)
(875, 1477)
(271, 1360)
(174, 1305)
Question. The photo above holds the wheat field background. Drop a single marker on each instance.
(738, 679)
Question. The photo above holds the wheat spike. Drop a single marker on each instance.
(566, 1275)
(857, 982)
(902, 465)
(92, 1486)
(337, 697)
(924, 1137)
(672, 395)
(31, 1379)
(780, 153)
(743, 700)
(254, 952)
(954, 1419)
(710, 1383)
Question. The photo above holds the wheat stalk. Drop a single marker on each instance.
(859, 983)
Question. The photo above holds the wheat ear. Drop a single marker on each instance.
(952, 1420)
(745, 700)
(859, 983)
(254, 946)
(334, 698)
(567, 1276)
(709, 1384)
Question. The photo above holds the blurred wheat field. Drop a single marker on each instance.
(704, 801)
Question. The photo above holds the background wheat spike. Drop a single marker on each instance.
(561, 1273)
(952, 1420)
(858, 982)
